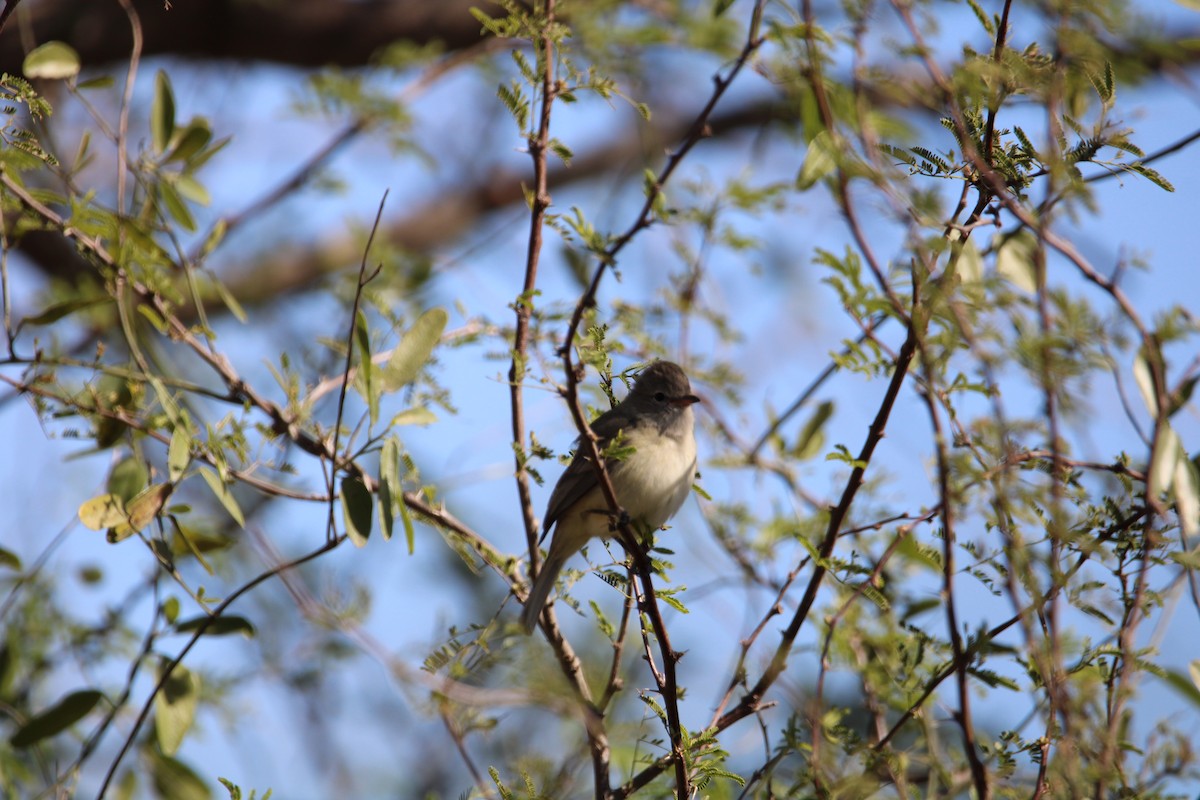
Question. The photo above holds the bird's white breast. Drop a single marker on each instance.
(653, 482)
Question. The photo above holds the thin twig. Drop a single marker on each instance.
(539, 149)
(949, 545)
(9, 8)
(361, 282)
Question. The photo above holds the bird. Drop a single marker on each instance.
(651, 483)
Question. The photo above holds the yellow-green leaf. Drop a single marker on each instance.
(365, 380)
(102, 512)
(224, 495)
(1145, 383)
(193, 190)
(390, 488)
(57, 311)
(819, 161)
(175, 708)
(226, 296)
(1014, 261)
(179, 453)
(53, 61)
(1188, 689)
(175, 780)
(57, 718)
(221, 626)
(356, 509)
(162, 112)
(414, 416)
(406, 518)
(1187, 494)
(9, 559)
(195, 136)
(812, 436)
(1166, 452)
(175, 205)
(411, 355)
(128, 478)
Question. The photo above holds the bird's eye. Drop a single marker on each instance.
(659, 396)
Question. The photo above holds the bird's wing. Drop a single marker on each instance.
(580, 476)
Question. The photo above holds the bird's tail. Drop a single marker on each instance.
(542, 586)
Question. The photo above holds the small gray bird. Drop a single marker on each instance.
(655, 419)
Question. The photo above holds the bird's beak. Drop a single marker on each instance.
(685, 401)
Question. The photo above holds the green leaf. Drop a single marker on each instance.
(409, 534)
(52, 61)
(57, 718)
(224, 495)
(221, 626)
(9, 559)
(1188, 559)
(922, 555)
(162, 112)
(819, 161)
(365, 382)
(226, 296)
(195, 136)
(414, 350)
(127, 479)
(812, 437)
(175, 205)
(1186, 686)
(154, 317)
(387, 511)
(179, 453)
(1151, 175)
(1014, 261)
(98, 82)
(175, 708)
(983, 18)
(968, 266)
(214, 238)
(390, 487)
(1103, 83)
(193, 190)
(185, 542)
(918, 607)
(175, 780)
(169, 406)
(673, 602)
(1187, 494)
(413, 416)
(1145, 383)
(1167, 451)
(356, 509)
(993, 679)
(1182, 395)
(59, 310)
(102, 512)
